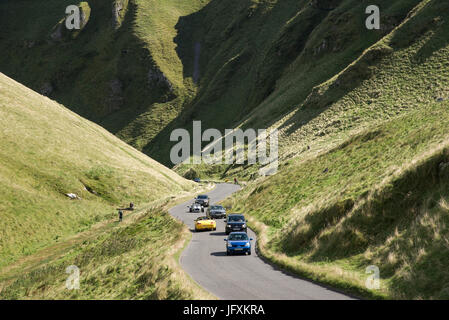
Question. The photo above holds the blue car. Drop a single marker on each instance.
(238, 242)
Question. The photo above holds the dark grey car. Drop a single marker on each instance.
(216, 212)
(203, 200)
(235, 222)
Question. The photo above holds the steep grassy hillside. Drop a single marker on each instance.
(261, 62)
(120, 70)
(157, 65)
(363, 175)
(378, 198)
(346, 78)
(48, 151)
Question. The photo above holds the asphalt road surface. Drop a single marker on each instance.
(238, 277)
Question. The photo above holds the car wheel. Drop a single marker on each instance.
(228, 253)
(249, 252)
(215, 229)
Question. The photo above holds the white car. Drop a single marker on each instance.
(196, 207)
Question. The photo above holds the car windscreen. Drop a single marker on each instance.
(202, 218)
(238, 237)
(216, 208)
(236, 218)
(202, 197)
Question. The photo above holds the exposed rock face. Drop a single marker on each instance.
(46, 89)
(443, 169)
(323, 47)
(84, 17)
(115, 99)
(56, 35)
(118, 8)
(28, 44)
(156, 77)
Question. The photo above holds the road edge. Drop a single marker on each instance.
(266, 256)
(185, 239)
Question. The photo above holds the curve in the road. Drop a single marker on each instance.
(239, 277)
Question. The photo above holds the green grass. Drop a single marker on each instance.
(48, 151)
(259, 63)
(129, 260)
(382, 201)
(258, 60)
(83, 67)
(260, 66)
(361, 103)
(378, 129)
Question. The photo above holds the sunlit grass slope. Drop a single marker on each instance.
(48, 151)
(135, 259)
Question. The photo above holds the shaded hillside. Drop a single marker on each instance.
(259, 61)
(120, 70)
(156, 66)
(318, 102)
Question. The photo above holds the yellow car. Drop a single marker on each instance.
(205, 223)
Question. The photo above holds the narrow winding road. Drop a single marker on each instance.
(238, 277)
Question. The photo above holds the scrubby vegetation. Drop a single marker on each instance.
(129, 260)
(382, 201)
(363, 168)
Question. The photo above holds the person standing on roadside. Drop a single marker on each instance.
(120, 216)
